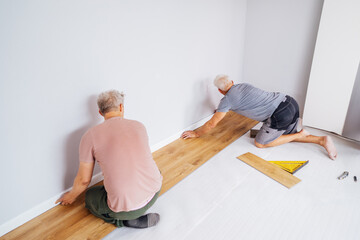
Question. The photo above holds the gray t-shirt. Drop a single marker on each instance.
(250, 101)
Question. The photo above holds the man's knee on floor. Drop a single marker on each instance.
(90, 193)
(93, 195)
(259, 145)
(88, 197)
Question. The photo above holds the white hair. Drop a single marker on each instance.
(110, 101)
(222, 82)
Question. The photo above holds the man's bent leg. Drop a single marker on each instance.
(324, 141)
(266, 134)
(268, 137)
(281, 127)
(96, 202)
(136, 218)
(284, 139)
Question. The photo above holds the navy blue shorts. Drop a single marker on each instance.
(285, 114)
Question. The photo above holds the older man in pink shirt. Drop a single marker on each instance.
(132, 181)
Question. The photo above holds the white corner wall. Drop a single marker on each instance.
(56, 56)
(279, 45)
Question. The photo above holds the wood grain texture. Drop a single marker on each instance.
(181, 157)
(272, 171)
(175, 161)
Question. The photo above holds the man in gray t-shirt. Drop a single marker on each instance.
(250, 101)
(278, 112)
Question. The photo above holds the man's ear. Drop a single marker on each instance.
(121, 107)
(100, 113)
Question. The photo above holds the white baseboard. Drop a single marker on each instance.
(48, 204)
(39, 209)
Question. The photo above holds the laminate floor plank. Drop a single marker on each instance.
(271, 170)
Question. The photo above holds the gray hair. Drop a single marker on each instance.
(110, 101)
(222, 82)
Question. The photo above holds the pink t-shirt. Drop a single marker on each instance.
(121, 148)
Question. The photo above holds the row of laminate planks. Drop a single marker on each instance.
(175, 161)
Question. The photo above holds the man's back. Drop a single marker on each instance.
(250, 101)
(120, 146)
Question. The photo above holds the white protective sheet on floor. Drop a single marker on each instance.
(227, 199)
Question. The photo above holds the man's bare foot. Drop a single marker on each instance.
(328, 144)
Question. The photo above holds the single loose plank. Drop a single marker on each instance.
(175, 161)
(272, 171)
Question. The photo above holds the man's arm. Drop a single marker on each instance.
(81, 182)
(216, 118)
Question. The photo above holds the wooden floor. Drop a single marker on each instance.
(176, 161)
(227, 199)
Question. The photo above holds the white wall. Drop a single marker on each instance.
(56, 56)
(279, 45)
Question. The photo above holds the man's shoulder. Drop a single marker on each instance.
(87, 133)
(134, 122)
(239, 88)
(92, 129)
(124, 122)
(243, 85)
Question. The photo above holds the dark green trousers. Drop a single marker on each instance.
(96, 202)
